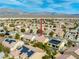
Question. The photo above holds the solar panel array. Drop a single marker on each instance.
(10, 41)
(54, 41)
(26, 50)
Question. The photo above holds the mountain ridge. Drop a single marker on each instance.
(8, 11)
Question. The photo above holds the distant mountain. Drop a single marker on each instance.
(43, 13)
(15, 12)
(5, 11)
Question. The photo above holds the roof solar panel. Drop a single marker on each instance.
(10, 41)
(30, 53)
(54, 41)
(24, 49)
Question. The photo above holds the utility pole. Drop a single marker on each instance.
(41, 32)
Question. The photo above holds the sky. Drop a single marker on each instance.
(58, 6)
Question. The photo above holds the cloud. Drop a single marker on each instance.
(60, 1)
(59, 6)
(75, 6)
(9, 2)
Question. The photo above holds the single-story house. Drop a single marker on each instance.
(71, 53)
(19, 50)
(2, 31)
(9, 42)
(35, 37)
(57, 43)
(27, 52)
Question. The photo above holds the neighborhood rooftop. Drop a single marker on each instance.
(10, 40)
(38, 16)
(26, 51)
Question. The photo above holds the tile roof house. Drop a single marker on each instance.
(56, 43)
(19, 50)
(36, 37)
(27, 52)
(9, 42)
(71, 53)
(22, 51)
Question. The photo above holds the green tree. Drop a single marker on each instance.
(6, 50)
(1, 47)
(69, 43)
(11, 25)
(38, 31)
(17, 36)
(11, 58)
(5, 28)
(51, 34)
(31, 31)
(75, 26)
(46, 47)
(23, 30)
(1, 24)
(39, 44)
(45, 57)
